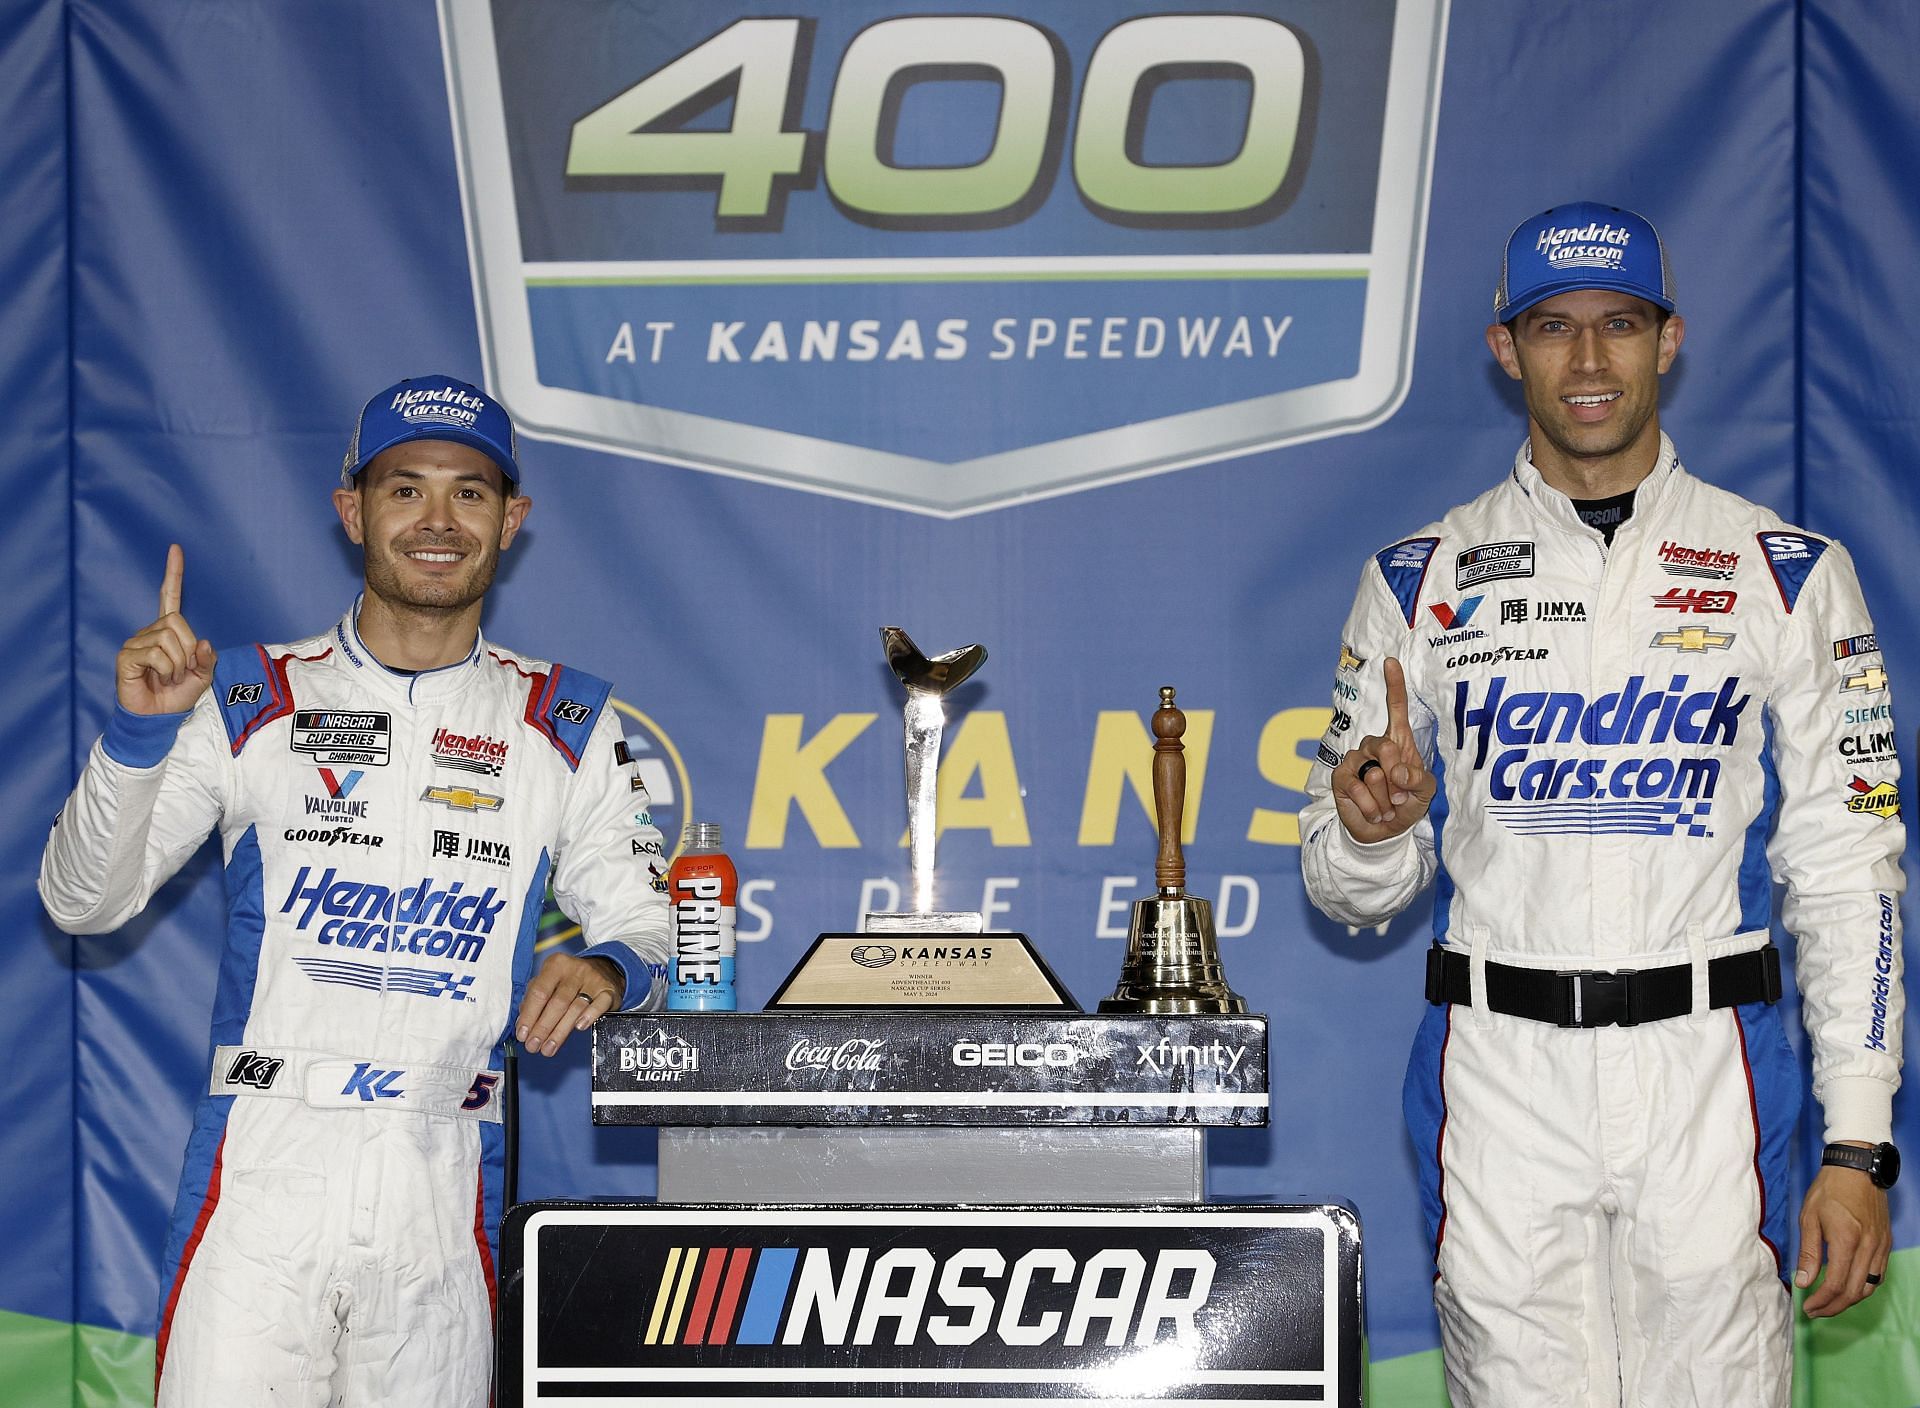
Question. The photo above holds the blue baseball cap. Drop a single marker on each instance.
(432, 408)
(1583, 245)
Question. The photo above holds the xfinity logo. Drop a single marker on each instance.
(1014, 1053)
(1165, 1054)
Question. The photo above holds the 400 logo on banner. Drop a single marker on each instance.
(945, 261)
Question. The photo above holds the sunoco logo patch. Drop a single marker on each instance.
(931, 260)
(929, 1303)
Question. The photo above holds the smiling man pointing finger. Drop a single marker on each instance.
(1605, 705)
(392, 797)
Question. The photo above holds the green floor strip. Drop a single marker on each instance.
(51, 1364)
(1867, 1358)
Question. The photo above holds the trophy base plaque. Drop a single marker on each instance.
(929, 968)
(960, 921)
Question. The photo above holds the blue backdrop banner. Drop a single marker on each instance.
(1115, 335)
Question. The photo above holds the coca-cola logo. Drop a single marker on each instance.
(854, 1054)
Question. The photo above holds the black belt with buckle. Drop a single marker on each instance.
(1594, 999)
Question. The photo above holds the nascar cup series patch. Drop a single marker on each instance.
(945, 262)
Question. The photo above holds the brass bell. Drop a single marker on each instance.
(1173, 960)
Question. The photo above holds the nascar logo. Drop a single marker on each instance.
(811, 1296)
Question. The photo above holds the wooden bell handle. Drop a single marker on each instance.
(1169, 791)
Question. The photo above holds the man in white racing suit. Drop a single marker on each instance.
(392, 798)
(1606, 705)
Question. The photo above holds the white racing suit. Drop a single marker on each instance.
(1632, 743)
(388, 840)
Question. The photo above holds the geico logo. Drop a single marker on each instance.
(1014, 1053)
(1047, 1296)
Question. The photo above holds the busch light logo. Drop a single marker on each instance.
(426, 918)
(1540, 787)
(659, 1057)
(937, 261)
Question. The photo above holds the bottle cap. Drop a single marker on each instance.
(700, 836)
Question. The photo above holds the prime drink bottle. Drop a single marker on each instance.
(700, 890)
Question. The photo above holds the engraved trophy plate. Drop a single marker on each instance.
(923, 957)
(922, 970)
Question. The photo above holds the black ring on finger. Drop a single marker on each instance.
(1872, 1280)
(1371, 764)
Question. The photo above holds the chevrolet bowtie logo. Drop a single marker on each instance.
(1875, 678)
(462, 799)
(1694, 638)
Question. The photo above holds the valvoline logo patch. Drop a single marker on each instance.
(1451, 618)
(339, 787)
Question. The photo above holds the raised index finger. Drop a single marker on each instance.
(170, 584)
(1397, 725)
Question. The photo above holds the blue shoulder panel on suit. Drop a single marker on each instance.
(1791, 556)
(1405, 565)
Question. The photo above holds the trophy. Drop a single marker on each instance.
(928, 682)
(1173, 962)
(923, 957)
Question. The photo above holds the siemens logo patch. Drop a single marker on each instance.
(437, 921)
(1545, 793)
(1882, 980)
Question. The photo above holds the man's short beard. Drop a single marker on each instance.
(384, 581)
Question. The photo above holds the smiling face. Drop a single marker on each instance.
(433, 517)
(1589, 364)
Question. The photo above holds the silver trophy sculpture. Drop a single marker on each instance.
(928, 682)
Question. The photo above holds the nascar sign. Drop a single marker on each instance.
(939, 260)
(933, 1304)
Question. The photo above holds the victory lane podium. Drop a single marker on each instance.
(925, 1175)
(931, 1206)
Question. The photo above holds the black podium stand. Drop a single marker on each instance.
(932, 1206)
